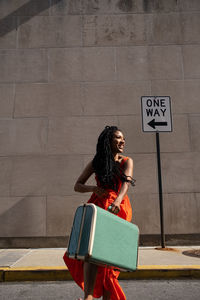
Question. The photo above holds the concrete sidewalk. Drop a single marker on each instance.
(47, 264)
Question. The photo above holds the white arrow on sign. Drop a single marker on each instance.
(156, 113)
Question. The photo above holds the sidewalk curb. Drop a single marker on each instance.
(163, 272)
(62, 274)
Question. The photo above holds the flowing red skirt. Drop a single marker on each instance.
(106, 278)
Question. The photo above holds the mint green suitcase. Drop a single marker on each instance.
(103, 238)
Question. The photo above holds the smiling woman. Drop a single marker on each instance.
(113, 176)
(118, 142)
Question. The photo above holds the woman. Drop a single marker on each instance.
(113, 175)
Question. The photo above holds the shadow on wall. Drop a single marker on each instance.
(6, 26)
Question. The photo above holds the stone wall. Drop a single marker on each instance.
(67, 69)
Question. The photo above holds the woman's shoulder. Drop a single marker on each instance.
(125, 159)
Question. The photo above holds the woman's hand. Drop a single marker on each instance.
(99, 191)
(115, 207)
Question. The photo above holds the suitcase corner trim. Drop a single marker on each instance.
(93, 228)
(92, 232)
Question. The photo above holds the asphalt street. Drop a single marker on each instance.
(134, 289)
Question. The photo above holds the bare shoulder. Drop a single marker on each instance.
(129, 161)
(127, 158)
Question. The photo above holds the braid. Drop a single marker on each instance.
(105, 167)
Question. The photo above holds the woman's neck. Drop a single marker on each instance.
(117, 157)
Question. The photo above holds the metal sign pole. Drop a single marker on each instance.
(160, 190)
(156, 117)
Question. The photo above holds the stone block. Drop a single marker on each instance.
(23, 65)
(23, 216)
(118, 98)
(196, 171)
(66, 7)
(191, 27)
(60, 213)
(45, 31)
(191, 61)
(45, 175)
(43, 100)
(32, 65)
(110, 7)
(24, 7)
(164, 29)
(110, 30)
(192, 5)
(132, 63)
(8, 61)
(65, 99)
(146, 212)
(65, 64)
(159, 6)
(177, 172)
(191, 96)
(5, 176)
(128, 7)
(145, 173)
(62, 173)
(165, 62)
(179, 139)
(194, 125)
(8, 33)
(23, 136)
(81, 64)
(184, 94)
(76, 135)
(29, 176)
(98, 64)
(182, 212)
(136, 140)
(31, 100)
(6, 100)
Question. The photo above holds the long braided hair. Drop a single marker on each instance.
(106, 168)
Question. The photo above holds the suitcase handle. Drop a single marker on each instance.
(109, 208)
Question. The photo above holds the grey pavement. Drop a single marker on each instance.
(134, 290)
(46, 260)
(52, 257)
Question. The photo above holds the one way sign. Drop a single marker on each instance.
(156, 114)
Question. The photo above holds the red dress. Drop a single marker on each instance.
(106, 277)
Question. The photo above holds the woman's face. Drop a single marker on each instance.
(118, 142)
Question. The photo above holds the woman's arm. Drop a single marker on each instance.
(80, 185)
(128, 171)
